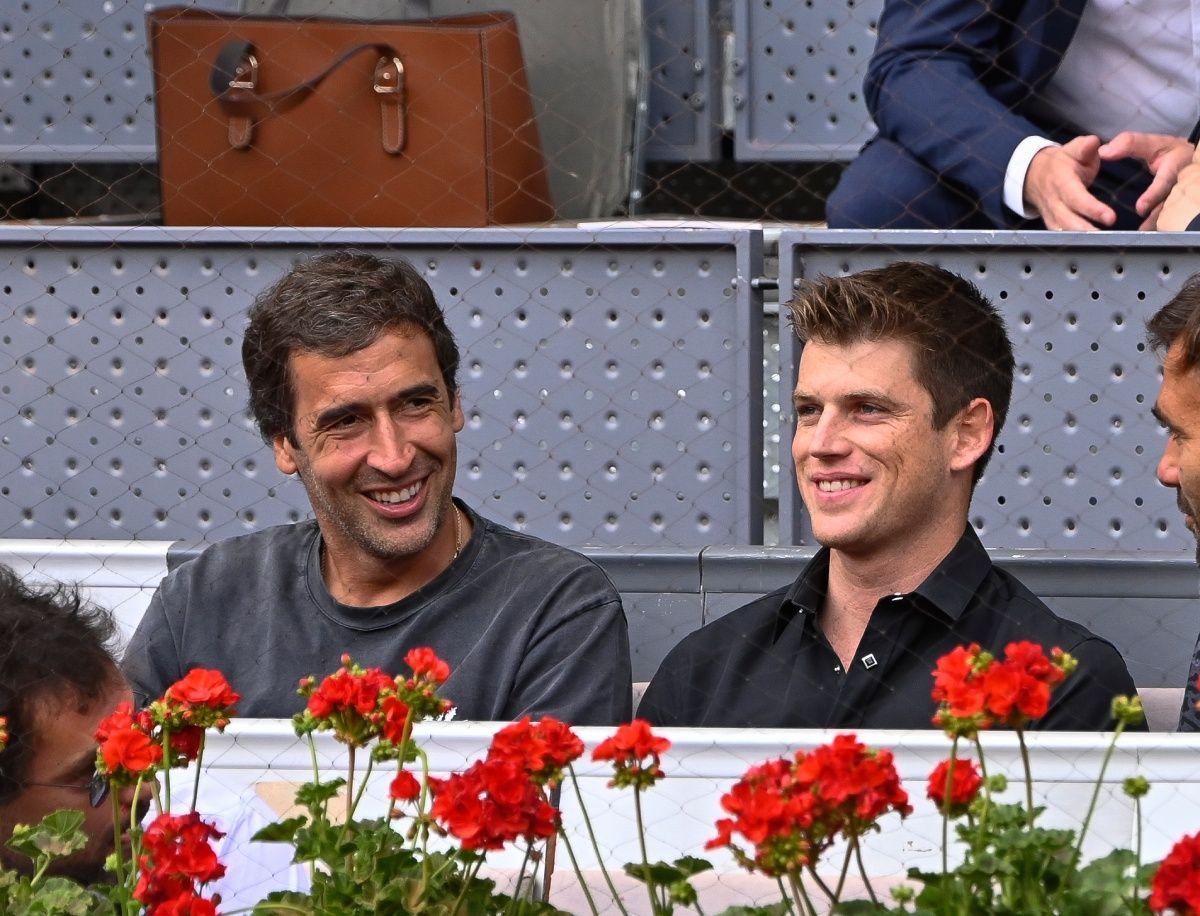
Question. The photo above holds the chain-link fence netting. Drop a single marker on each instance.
(694, 340)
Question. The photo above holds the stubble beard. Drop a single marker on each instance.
(358, 529)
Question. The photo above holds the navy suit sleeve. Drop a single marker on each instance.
(924, 90)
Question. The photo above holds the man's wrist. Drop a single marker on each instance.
(1015, 174)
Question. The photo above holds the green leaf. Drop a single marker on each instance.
(281, 832)
(314, 794)
(59, 834)
(289, 903)
(774, 909)
(63, 897)
(657, 872)
(691, 865)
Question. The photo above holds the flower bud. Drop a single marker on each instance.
(1128, 711)
(1136, 786)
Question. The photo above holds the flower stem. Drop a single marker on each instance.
(1112, 746)
(1137, 853)
(845, 869)
(802, 898)
(863, 871)
(199, 762)
(946, 796)
(1028, 778)
(655, 903)
(987, 789)
(350, 787)
(166, 744)
(812, 870)
(516, 895)
(587, 821)
(118, 853)
(787, 900)
(578, 871)
(472, 871)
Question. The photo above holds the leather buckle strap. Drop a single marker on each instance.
(234, 81)
(389, 87)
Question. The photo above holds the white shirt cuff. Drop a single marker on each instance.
(1014, 175)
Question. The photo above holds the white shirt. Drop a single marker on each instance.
(1108, 82)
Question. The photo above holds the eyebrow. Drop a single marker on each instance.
(1159, 415)
(866, 394)
(333, 414)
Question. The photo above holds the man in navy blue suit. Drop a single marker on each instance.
(994, 115)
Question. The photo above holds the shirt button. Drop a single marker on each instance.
(837, 669)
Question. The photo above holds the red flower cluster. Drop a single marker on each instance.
(126, 748)
(177, 858)
(1176, 884)
(360, 704)
(3, 733)
(964, 785)
(494, 802)
(975, 690)
(791, 811)
(425, 664)
(201, 699)
(634, 751)
(541, 750)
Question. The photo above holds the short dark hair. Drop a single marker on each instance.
(961, 346)
(54, 648)
(1179, 320)
(334, 305)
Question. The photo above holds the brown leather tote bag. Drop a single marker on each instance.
(268, 121)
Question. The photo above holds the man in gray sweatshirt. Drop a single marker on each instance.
(352, 376)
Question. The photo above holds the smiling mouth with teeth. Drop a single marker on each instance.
(392, 497)
(836, 486)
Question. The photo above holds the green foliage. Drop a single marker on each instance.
(59, 834)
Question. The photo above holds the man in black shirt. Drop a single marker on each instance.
(1174, 333)
(903, 385)
(351, 370)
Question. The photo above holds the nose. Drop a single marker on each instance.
(1168, 465)
(825, 436)
(391, 451)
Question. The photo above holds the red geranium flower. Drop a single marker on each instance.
(404, 787)
(973, 689)
(1176, 884)
(395, 716)
(492, 803)
(347, 691)
(3, 733)
(425, 663)
(176, 857)
(204, 687)
(186, 742)
(127, 753)
(774, 814)
(634, 751)
(965, 784)
(542, 750)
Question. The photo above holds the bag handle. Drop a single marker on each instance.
(234, 81)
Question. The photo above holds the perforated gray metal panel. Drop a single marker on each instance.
(1075, 463)
(684, 120)
(797, 75)
(610, 380)
(75, 80)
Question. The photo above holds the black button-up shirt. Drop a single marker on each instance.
(769, 665)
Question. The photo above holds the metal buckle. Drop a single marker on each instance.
(382, 74)
(237, 83)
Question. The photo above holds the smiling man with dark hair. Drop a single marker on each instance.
(352, 375)
(903, 385)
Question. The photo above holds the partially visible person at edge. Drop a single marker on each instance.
(352, 377)
(1174, 333)
(904, 383)
(1181, 211)
(58, 679)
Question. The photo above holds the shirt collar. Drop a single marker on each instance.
(948, 589)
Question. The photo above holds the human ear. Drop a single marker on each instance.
(285, 454)
(973, 430)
